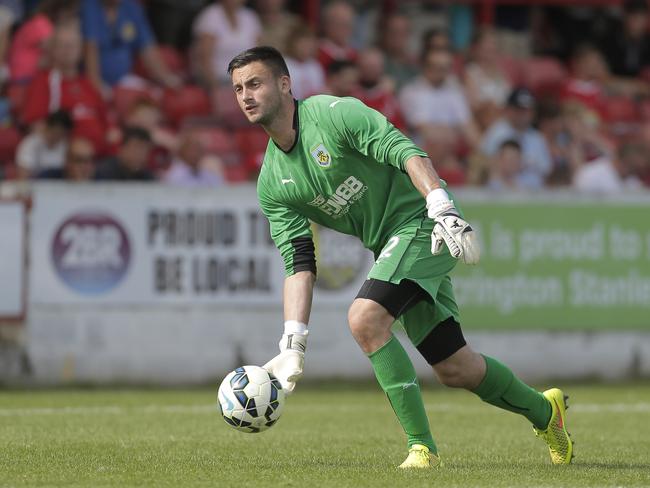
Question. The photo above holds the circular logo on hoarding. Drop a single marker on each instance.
(340, 258)
(91, 252)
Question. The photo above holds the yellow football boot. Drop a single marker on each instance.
(560, 445)
(420, 457)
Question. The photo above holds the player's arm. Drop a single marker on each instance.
(371, 134)
(298, 292)
(450, 228)
(292, 235)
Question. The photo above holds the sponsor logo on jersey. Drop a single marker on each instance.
(321, 155)
(338, 204)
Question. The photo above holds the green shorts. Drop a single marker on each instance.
(407, 255)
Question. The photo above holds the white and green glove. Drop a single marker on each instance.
(451, 229)
(287, 366)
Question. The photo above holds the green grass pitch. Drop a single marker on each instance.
(328, 436)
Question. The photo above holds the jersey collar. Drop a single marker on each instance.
(296, 127)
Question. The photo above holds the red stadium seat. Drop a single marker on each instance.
(220, 142)
(544, 76)
(228, 109)
(125, 97)
(9, 139)
(251, 140)
(216, 139)
(511, 67)
(644, 110)
(16, 94)
(185, 102)
(171, 57)
(235, 173)
(621, 109)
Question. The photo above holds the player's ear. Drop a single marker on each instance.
(285, 84)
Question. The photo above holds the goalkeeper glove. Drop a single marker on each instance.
(451, 229)
(287, 366)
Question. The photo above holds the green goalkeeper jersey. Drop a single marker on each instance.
(345, 171)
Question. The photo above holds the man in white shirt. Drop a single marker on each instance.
(45, 148)
(613, 175)
(222, 30)
(191, 168)
(436, 109)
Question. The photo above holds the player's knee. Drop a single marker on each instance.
(450, 375)
(368, 322)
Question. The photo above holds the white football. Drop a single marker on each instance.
(250, 399)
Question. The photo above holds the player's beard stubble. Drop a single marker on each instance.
(268, 110)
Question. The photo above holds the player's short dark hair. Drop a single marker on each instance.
(268, 55)
(135, 134)
(60, 118)
(510, 143)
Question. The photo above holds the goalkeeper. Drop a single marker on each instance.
(340, 164)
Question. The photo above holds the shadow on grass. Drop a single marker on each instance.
(612, 465)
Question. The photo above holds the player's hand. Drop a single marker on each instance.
(288, 365)
(451, 230)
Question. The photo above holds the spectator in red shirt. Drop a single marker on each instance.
(63, 87)
(588, 78)
(28, 50)
(338, 25)
(376, 89)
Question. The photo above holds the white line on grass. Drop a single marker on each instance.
(210, 409)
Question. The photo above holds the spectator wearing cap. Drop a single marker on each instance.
(130, 163)
(627, 47)
(338, 26)
(79, 163)
(45, 147)
(64, 87)
(517, 125)
(115, 32)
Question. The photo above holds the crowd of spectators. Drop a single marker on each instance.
(134, 90)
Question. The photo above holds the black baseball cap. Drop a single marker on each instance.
(521, 97)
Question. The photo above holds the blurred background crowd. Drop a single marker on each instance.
(517, 97)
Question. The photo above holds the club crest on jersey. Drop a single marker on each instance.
(321, 155)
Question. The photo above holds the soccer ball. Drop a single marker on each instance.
(250, 399)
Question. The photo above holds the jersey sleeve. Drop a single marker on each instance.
(372, 134)
(291, 233)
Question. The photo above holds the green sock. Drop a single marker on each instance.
(503, 389)
(396, 376)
